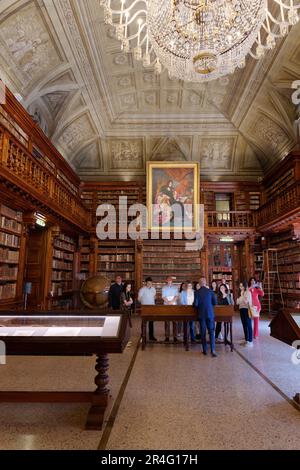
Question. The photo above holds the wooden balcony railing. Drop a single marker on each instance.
(229, 220)
(279, 206)
(20, 167)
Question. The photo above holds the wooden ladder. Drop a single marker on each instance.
(270, 279)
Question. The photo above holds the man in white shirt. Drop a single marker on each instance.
(170, 296)
(146, 296)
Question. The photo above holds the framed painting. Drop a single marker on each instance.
(173, 196)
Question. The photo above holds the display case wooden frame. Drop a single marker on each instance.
(42, 345)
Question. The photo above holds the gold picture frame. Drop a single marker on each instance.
(170, 183)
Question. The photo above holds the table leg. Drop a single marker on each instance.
(231, 336)
(225, 333)
(100, 396)
(185, 335)
(144, 334)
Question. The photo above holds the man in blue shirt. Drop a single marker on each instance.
(146, 296)
(205, 300)
(170, 297)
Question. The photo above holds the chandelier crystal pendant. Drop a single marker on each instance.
(199, 40)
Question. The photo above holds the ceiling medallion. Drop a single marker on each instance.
(199, 40)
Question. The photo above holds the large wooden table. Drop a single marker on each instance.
(111, 336)
(184, 313)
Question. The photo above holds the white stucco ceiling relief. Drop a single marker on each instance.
(108, 115)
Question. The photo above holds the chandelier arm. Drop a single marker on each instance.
(254, 56)
(142, 41)
(128, 10)
(275, 21)
(270, 32)
(137, 13)
(287, 7)
(153, 62)
(134, 36)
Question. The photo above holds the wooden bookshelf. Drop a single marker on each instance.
(117, 258)
(209, 201)
(221, 263)
(169, 258)
(281, 183)
(241, 201)
(288, 252)
(258, 259)
(85, 259)
(247, 200)
(9, 122)
(254, 200)
(11, 254)
(62, 276)
(222, 273)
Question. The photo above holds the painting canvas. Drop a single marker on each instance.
(169, 185)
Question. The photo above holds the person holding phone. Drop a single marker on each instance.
(244, 302)
(256, 291)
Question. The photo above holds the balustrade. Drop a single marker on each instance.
(229, 219)
(279, 206)
(21, 165)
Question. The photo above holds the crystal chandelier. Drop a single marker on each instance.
(199, 40)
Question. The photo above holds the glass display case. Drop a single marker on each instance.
(59, 326)
(76, 334)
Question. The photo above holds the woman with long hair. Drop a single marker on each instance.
(214, 287)
(244, 302)
(224, 298)
(187, 298)
(126, 301)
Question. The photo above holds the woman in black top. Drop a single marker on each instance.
(224, 298)
(126, 301)
(214, 287)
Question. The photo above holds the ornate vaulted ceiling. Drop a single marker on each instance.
(108, 115)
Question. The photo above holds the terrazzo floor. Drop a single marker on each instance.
(173, 399)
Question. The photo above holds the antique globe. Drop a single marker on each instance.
(94, 292)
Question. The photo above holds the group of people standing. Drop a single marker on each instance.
(203, 298)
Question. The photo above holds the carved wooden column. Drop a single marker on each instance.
(204, 259)
(140, 195)
(76, 270)
(252, 255)
(93, 265)
(22, 259)
(236, 271)
(249, 254)
(50, 236)
(100, 396)
(4, 152)
(138, 264)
